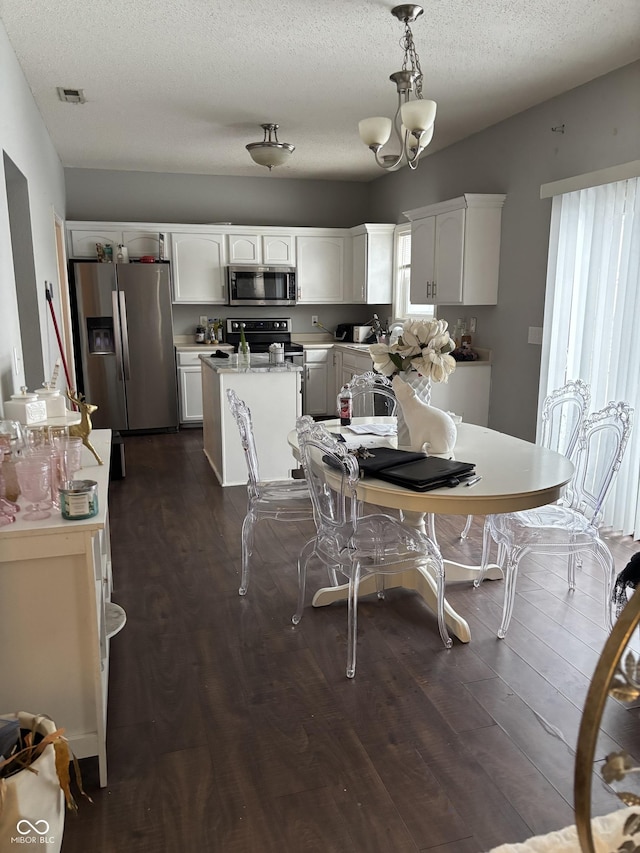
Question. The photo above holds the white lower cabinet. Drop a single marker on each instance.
(190, 383)
(347, 364)
(318, 396)
(466, 393)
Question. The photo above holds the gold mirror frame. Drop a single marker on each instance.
(594, 704)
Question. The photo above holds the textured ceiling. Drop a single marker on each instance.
(183, 86)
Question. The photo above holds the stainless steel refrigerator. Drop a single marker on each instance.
(125, 357)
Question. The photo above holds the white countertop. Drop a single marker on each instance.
(258, 364)
(203, 348)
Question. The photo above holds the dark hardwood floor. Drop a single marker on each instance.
(230, 730)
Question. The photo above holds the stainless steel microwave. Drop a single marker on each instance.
(253, 284)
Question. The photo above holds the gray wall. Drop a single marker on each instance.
(24, 142)
(186, 317)
(602, 128)
(202, 199)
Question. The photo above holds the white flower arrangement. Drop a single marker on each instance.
(423, 346)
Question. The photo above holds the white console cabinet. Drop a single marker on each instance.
(56, 616)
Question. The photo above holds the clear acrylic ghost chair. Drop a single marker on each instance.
(563, 413)
(351, 543)
(372, 395)
(570, 526)
(279, 500)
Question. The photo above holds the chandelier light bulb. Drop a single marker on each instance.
(375, 131)
(418, 115)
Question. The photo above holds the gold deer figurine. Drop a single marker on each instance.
(83, 429)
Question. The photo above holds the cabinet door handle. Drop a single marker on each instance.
(428, 289)
(433, 289)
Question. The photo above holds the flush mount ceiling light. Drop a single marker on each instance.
(414, 118)
(270, 152)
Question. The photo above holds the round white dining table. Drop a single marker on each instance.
(515, 475)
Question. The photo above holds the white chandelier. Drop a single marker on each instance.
(414, 119)
(270, 152)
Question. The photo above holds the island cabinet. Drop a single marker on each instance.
(455, 251)
(322, 262)
(272, 393)
(56, 616)
(372, 267)
(199, 261)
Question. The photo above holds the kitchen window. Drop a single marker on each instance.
(403, 307)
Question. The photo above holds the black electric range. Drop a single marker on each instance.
(261, 333)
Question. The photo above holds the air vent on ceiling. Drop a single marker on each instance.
(71, 96)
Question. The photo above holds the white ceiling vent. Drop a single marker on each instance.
(71, 96)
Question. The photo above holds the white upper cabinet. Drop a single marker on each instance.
(245, 249)
(82, 243)
(455, 250)
(278, 249)
(259, 248)
(321, 268)
(199, 261)
(141, 243)
(372, 268)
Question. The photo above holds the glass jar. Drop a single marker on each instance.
(11, 487)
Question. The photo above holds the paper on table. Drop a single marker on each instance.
(373, 429)
(354, 441)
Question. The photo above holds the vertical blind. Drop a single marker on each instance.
(592, 317)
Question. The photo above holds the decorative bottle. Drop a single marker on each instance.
(244, 353)
(345, 403)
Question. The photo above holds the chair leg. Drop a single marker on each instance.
(303, 560)
(352, 625)
(510, 578)
(442, 625)
(247, 550)
(467, 527)
(607, 564)
(431, 528)
(486, 551)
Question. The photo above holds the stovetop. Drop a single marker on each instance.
(261, 333)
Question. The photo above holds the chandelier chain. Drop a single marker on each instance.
(411, 61)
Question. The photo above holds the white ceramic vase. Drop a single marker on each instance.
(420, 425)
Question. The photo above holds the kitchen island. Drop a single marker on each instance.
(273, 394)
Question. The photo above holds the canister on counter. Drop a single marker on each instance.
(79, 499)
